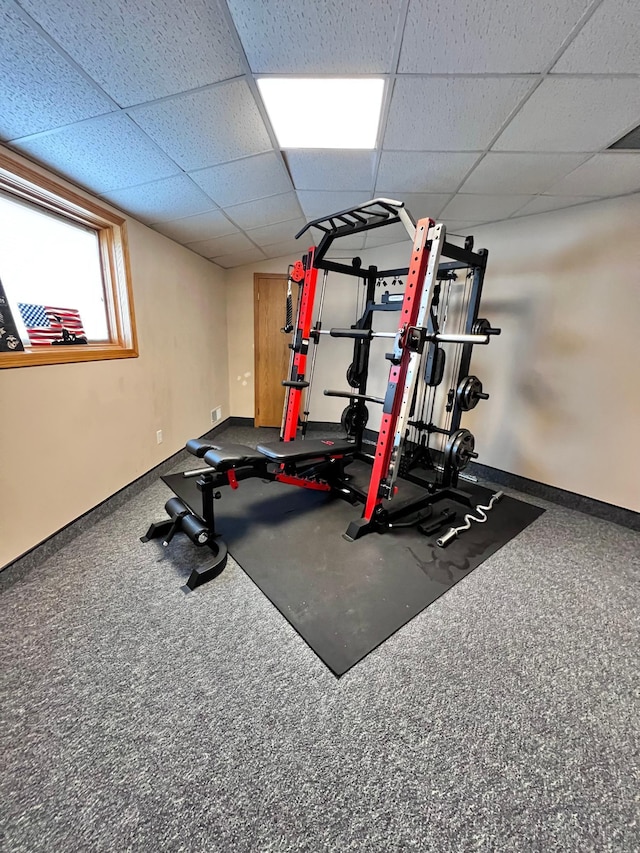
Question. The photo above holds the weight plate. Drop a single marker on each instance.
(458, 449)
(353, 378)
(354, 419)
(480, 326)
(346, 420)
(468, 393)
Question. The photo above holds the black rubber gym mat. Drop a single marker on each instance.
(345, 598)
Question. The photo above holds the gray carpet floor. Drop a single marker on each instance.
(138, 717)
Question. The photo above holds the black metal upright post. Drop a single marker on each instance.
(450, 474)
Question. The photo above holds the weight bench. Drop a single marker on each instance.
(300, 451)
(225, 457)
(230, 463)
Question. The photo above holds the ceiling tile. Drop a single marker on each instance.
(265, 211)
(519, 173)
(606, 44)
(244, 180)
(316, 204)
(418, 171)
(208, 127)
(459, 228)
(39, 89)
(170, 198)
(602, 175)
(387, 235)
(483, 208)
(102, 154)
(190, 229)
(238, 259)
(217, 246)
(267, 235)
(331, 170)
(341, 246)
(451, 114)
(492, 36)
(295, 248)
(143, 50)
(350, 242)
(573, 114)
(544, 203)
(331, 37)
(420, 205)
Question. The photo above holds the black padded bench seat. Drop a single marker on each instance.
(225, 456)
(233, 454)
(197, 447)
(291, 451)
(222, 457)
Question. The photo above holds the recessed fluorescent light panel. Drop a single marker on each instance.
(323, 113)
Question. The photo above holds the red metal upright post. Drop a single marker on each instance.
(411, 310)
(301, 347)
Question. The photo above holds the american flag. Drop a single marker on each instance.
(45, 324)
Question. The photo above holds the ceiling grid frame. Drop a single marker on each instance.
(579, 25)
(30, 145)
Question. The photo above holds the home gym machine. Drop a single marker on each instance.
(420, 451)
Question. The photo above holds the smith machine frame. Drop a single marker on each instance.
(417, 360)
(416, 394)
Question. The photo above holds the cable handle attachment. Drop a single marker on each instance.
(295, 274)
(288, 323)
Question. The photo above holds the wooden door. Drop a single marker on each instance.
(271, 346)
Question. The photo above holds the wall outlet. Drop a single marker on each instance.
(216, 414)
(159, 436)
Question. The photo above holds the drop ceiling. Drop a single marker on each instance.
(490, 111)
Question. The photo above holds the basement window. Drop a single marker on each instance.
(65, 292)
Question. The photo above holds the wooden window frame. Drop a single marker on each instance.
(18, 180)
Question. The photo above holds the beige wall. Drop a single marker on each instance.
(564, 374)
(563, 377)
(241, 332)
(80, 432)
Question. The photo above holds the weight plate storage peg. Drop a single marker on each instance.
(459, 449)
(469, 393)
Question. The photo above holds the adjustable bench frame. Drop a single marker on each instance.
(319, 465)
